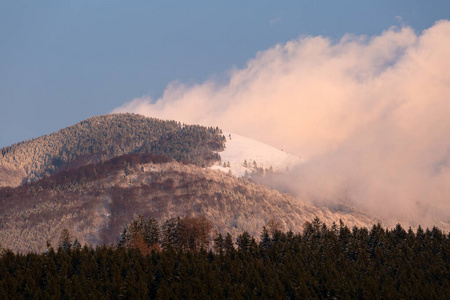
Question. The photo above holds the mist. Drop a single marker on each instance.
(370, 116)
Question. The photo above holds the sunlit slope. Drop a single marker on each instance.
(247, 155)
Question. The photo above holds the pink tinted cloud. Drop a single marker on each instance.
(370, 114)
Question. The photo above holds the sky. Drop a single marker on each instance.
(64, 61)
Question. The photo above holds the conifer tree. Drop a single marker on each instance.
(228, 244)
(219, 244)
(170, 231)
(151, 232)
(243, 241)
(65, 240)
(76, 244)
(265, 238)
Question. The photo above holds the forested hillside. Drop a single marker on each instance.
(97, 200)
(320, 262)
(103, 137)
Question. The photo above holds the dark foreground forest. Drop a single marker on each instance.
(321, 262)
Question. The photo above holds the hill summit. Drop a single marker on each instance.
(104, 137)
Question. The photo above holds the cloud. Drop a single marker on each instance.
(370, 115)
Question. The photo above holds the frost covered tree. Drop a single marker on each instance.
(273, 225)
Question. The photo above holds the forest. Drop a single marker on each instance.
(103, 137)
(174, 260)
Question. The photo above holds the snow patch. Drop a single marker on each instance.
(242, 155)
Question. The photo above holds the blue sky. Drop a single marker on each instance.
(64, 61)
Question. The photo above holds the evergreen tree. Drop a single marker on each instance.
(266, 242)
(76, 244)
(219, 244)
(65, 240)
(228, 245)
(151, 232)
(244, 241)
(170, 231)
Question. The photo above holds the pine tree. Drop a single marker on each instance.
(243, 241)
(170, 231)
(65, 240)
(266, 242)
(76, 244)
(151, 233)
(228, 245)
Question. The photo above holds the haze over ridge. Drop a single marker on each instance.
(369, 114)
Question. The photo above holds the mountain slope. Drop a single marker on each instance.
(246, 155)
(103, 137)
(97, 200)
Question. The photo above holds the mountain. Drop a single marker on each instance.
(104, 137)
(93, 178)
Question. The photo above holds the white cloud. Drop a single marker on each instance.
(370, 114)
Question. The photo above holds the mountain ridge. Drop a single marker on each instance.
(103, 137)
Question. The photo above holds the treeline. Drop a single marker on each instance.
(321, 262)
(103, 137)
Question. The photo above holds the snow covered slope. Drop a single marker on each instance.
(243, 155)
